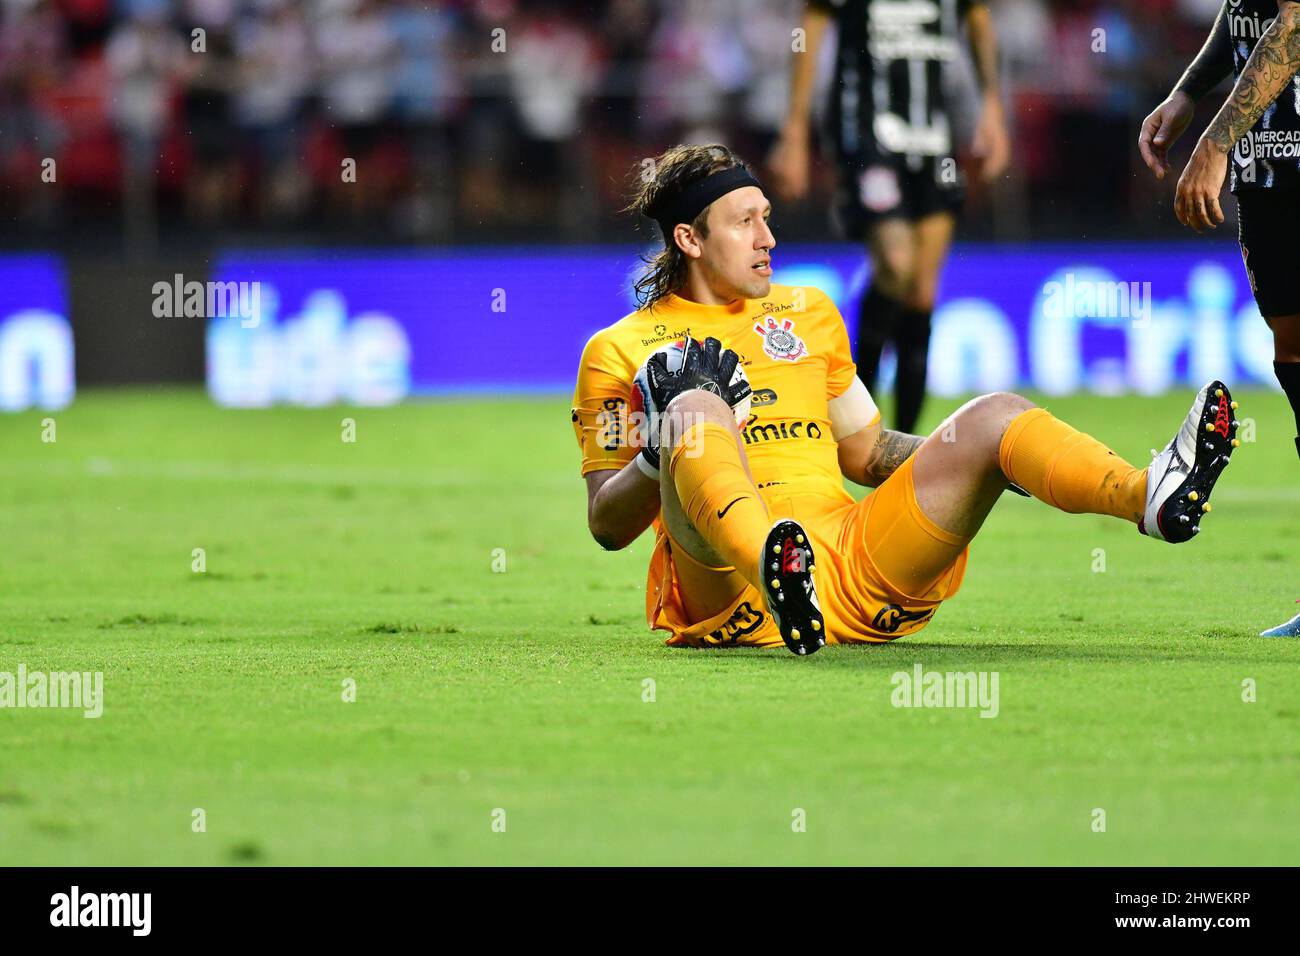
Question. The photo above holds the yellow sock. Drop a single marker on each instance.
(1070, 470)
(717, 495)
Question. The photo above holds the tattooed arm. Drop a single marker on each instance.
(1272, 64)
(871, 455)
(891, 450)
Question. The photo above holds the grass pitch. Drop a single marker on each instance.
(479, 692)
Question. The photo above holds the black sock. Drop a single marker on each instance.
(1288, 373)
(913, 340)
(877, 319)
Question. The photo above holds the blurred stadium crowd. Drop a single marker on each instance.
(244, 127)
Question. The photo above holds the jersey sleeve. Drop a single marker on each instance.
(600, 407)
(841, 369)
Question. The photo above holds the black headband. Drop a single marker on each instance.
(695, 198)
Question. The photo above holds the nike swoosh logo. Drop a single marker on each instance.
(724, 511)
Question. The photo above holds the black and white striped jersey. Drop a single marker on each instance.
(887, 98)
(1268, 155)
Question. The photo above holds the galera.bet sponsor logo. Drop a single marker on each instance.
(662, 334)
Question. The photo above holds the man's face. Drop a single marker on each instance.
(736, 257)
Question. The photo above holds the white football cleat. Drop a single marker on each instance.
(1182, 476)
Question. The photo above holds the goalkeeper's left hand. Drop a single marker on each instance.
(705, 366)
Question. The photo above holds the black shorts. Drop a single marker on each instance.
(892, 190)
(1266, 226)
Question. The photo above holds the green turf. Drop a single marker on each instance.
(523, 690)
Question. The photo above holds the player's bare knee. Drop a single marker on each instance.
(892, 270)
(691, 408)
(922, 288)
(997, 410)
(1003, 409)
(993, 406)
(975, 430)
(1007, 404)
(894, 277)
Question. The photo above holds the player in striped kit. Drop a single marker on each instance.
(1256, 135)
(900, 187)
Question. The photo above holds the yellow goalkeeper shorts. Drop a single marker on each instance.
(883, 568)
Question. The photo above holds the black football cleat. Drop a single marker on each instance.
(1182, 476)
(787, 568)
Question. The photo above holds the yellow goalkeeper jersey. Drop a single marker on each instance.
(795, 351)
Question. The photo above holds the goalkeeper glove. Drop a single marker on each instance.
(705, 366)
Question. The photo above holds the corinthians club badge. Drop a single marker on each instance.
(779, 340)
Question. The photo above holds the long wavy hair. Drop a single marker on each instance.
(653, 183)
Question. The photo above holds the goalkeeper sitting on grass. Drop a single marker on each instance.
(756, 540)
